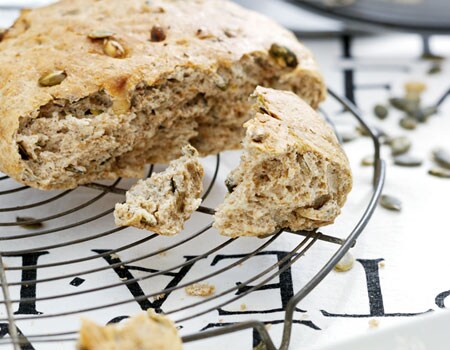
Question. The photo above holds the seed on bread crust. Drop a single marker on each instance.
(283, 56)
(100, 34)
(158, 34)
(113, 48)
(52, 79)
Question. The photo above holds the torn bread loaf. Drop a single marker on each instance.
(293, 173)
(166, 200)
(147, 331)
(96, 89)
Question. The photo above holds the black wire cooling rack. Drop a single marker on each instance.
(80, 216)
(416, 16)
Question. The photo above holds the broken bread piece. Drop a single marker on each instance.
(293, 173)
(166, 200)
(147, 331)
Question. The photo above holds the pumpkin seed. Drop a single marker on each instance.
(261, 346)
(368, 161)
(348, 136)
(157, 34)
(399, 145)
(32, 225)
(100, 34)
(408, 123)
(442, 157)
(346, 263)
(113, 48)
(440, 172)
(363, 131)
(435, 68)
(378, 131)
(407, 160)
(283, 56)
(404, 104)
(390, 203)
(52, 79)
(422, 114)
(381, 112)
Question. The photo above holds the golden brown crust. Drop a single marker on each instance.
(200, 34)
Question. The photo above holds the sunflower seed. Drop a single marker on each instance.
(403, 104)
(390, 203)
(32, 225)
(407, 160)
(381, 112)
(440, 172)
(283, 56)
(113, 48)
(399, 145)
(408, 123)
(346, 263)
(52, 79)
(442, 157)
(368, 161)
(100, 34)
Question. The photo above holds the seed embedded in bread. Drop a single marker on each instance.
(293, 173)
(113, 48)
(53, 78)
(166, 200)
(135, 101)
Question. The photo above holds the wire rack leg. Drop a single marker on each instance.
(11, 323)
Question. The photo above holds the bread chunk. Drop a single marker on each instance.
(96, 89)
(166, 200)
(147, 331)
(293, 173)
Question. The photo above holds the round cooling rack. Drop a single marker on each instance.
(418, 16)
(64, 259)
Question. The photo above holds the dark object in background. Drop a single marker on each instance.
(418, 16)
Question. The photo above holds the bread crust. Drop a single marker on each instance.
(202, 35)
(146, 331)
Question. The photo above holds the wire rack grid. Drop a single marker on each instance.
(68, 268)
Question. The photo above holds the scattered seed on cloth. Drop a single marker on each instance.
(390, 203)
(408, 160)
